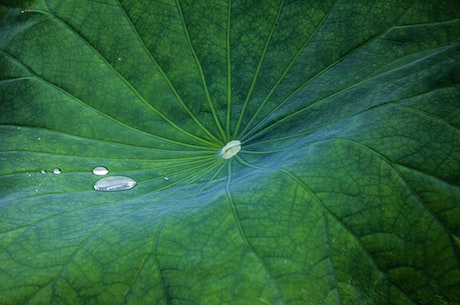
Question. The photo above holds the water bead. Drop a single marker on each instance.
(114, 183)
(231, 149)
(100, 171)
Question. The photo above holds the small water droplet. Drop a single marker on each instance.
(100, 170)
(114, 183)
(165, 178)
(29, 175)
(43, 171)
(22, 11)
(39, 139)
(57, 171)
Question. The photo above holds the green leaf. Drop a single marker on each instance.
(346, 189)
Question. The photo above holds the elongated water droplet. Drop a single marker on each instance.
(114, 183)
(100, 170)
(165, 178)
(43, 171)
(57, 171)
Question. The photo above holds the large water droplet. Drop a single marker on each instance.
(100, 170)
(57, 171)
(114, 183)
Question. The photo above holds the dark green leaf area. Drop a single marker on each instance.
(346, 189)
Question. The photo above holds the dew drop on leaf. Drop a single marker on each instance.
(57, 171)
(100, 170)
(114, 183)
(231, 149)
(43, 171)
(165, 178)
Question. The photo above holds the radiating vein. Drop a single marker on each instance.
(169, 82)
(303, 85)
(229, 72)
(391, 165)
(288, 68)
(203, 79)
(128, 84)
(337, 93)
(238, 224)
(256, 74)
(337, 219)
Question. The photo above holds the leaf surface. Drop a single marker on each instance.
(346, 189)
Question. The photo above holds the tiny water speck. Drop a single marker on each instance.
(100, 170)
(57, 171)
(43, 171)
(165, 178)
(114, 183)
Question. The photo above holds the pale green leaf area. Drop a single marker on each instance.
(283, 152)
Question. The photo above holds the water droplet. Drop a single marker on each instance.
(231, 149)
(165, 178)
(39, 139)
(100, 170)
(57, 171)
(29, 175)
(43, 171)
(114, 183)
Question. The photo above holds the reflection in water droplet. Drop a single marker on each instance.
(43, 171)
(165, 178)
(57, 171)
(114, 183)
(100, 171)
